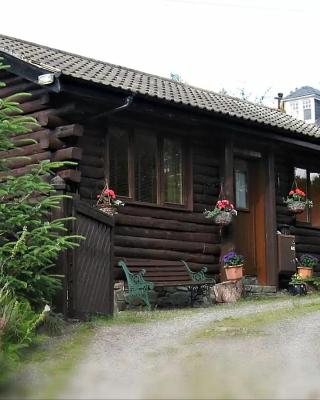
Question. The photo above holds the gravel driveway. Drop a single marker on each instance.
(153, 360)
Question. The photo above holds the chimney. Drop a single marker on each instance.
(279, 98)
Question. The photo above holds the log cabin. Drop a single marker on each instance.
(167, 148)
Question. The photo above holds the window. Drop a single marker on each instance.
(147, 167)
(307, 109)
(294, 108)
(309, 182)
(241, 184)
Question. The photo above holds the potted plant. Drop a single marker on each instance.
(107, 201)
(297, 286)
(222, 213)
(306, 264)
(233, 265)
(297, 202)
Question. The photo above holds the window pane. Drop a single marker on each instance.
(145, 150)
(301, 179)
(172, 170)
(241, 189)
(118, 158)
(315, 197)
(307, 113)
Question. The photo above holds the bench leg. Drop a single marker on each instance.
(143, 295)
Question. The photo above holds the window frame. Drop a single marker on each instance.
(187, 170)
(309, 171)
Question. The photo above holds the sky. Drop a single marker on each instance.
(261, 46)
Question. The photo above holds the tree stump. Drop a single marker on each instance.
(227, 292)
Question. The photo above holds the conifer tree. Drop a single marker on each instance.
(29, 241)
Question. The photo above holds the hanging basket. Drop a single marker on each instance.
(107, 209)
(296, 207)
(223, 218)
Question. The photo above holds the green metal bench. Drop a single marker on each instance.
(141, 281)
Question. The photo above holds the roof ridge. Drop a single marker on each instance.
(185, 85)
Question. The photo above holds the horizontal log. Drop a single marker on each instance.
(148, 222)
(91, 143)
(66, 131)
(70, 175)
(92, 160)
(213, 238)
(33, 159)
(164, 214)
(298, 231)
(308, 248)
(92, 172)
(22, 151)
(92, 183)
(33, 105)
(88, 194)
(174, 245)
(37, 135)
(308, 239)
(35, 94)
(20, 87)
(164, 255)
(19, 171)
(67, 154)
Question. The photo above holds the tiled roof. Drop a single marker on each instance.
(303, 91)
(153, 86)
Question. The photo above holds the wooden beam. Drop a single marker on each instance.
(227, 177)
(270, 221)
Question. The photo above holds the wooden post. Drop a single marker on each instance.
(227, 177)
(270, 221)
(60, 300)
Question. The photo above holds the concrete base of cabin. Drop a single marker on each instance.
(161, 297)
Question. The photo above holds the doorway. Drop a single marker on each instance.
(249, 225)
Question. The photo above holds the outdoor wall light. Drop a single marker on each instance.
(45, 79)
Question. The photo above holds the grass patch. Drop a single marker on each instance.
(253, 324)
(47, 365)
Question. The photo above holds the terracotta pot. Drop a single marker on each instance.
(305, 272)
(234, 272)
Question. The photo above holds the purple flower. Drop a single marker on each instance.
(232, 258)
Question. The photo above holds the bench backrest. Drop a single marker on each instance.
(164, 271)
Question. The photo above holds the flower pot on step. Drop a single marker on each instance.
(304, 272)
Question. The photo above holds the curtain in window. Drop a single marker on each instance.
(145, 150)
(172, 171)
(118, 157)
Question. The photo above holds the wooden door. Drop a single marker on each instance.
(249, 223)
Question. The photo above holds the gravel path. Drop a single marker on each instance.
(153, 360)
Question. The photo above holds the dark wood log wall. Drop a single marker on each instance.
(159, 234)
(54, 136)
(307, 238)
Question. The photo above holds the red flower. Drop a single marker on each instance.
(291, 193)
(109, 192)
(98, 196)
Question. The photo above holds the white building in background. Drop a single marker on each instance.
(304, 104)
